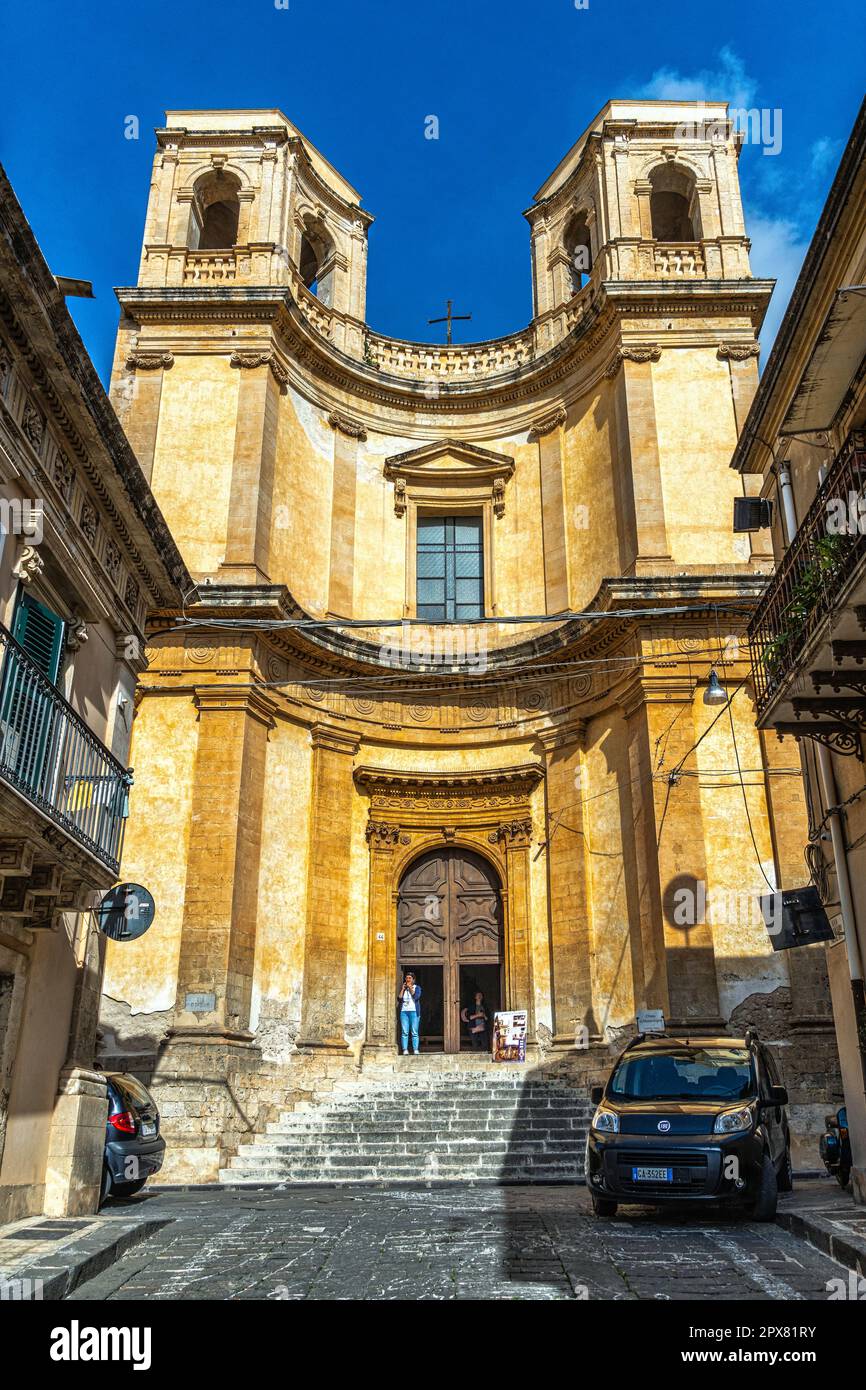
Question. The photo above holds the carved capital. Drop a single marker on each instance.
(512, 832)
(546, 424)
(347, 426)
(649, 352)
(247, 360)
(334, 740)
(149, 361)
(738, 352)
(380, 835)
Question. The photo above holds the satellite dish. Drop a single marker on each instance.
(126, 912)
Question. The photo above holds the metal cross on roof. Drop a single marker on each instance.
(448, 318)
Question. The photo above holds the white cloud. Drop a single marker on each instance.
(778, 243)
(822, 155)
(729, 81)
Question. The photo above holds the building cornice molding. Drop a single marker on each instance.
(309, 355)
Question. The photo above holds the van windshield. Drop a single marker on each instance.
(693, 1073)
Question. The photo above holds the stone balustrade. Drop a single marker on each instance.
(679, 260)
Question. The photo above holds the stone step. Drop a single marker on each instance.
(445, 1109)
(414, 1173)
(455, 1143)
(414, 1126)
(335, 1133)
(423, 1119)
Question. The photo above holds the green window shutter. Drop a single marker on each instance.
(40, 633)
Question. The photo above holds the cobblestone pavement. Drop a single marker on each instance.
(453, 1243)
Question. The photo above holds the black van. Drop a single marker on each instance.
(690, 1119)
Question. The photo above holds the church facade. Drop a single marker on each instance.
(445, 696)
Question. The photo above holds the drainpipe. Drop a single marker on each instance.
(837, 825)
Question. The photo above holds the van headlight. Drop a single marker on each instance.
(605, 1121)
(734, 1121)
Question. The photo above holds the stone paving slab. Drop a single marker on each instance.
(49, 1257)
(823, 1214)
(455, 1242)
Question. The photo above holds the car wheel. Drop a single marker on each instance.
(105, 1185)
(127, 1189)
(603, 1206)
(786, 1172)
(764, 1208)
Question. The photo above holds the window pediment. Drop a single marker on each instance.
(449, 472)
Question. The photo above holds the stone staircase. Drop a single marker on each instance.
(419, 1122)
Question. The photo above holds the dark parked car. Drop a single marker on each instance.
(134, 1147)
(690, 1119)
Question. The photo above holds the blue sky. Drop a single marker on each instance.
(513, 85)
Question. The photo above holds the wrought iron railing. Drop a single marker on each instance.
(50, 756)
(829, 545)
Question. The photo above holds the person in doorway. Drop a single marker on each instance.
(409, 1002)
(477, 1020)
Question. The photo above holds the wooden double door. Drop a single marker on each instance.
(449, 931)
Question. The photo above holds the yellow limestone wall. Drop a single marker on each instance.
(193, 458)
(696, 437)
(142, 973)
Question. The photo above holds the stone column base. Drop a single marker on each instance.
(73, 1174)
(201, 1086)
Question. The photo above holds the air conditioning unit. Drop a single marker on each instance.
(752, 513)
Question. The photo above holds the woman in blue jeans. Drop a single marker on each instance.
(409, 1001)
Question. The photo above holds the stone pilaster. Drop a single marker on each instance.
(347, 435)
(516, 837)
(252, 484)
(680, 865)
(742, 359)
(323, 1007)
(568, 907)
(221, 896)
(644, 544)
(138, 411)
(547, 430)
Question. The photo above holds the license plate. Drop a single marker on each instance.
(652, 1174)
(148, 1128)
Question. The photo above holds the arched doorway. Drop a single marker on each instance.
(449, 931)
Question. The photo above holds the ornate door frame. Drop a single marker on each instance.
(413, 812)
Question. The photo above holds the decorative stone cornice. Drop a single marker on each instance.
(395, 779)
(738, 352)
(347, 426)
(650, 352)
(546, 424)
(149, 361)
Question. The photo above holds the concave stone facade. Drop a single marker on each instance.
(564, 774)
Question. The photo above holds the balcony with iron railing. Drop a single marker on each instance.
(814, 579)
(52, 759)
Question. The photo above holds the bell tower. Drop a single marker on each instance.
(242, 198)
(649, 192)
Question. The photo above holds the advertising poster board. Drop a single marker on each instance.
(509, 1036)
